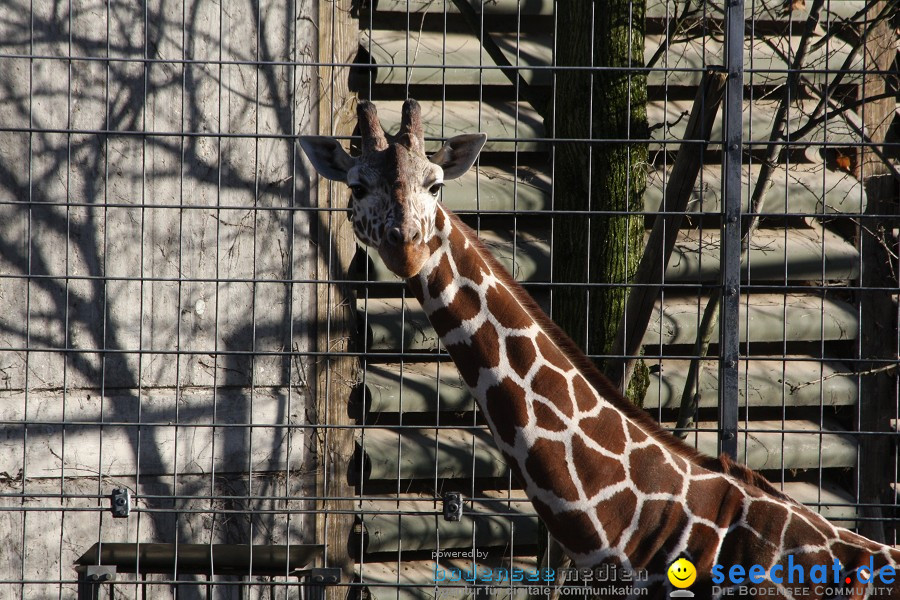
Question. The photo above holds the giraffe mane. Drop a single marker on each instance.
(599, 381)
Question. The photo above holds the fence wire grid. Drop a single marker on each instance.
(210, 391)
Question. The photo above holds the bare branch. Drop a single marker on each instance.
(866, 373)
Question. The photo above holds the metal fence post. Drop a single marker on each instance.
(729, 319)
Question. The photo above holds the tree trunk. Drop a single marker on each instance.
(603, 249)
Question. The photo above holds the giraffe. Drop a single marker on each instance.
(610, 484)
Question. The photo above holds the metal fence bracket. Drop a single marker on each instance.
(453, 506)
(316, 579)
(120, 500)
(91, 577)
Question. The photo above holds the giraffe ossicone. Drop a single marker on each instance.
(610, 484)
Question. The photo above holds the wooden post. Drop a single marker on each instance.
(878, 394)
(336, 318)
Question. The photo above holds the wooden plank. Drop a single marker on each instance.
(764, 65)
(428, 453)
(771, 318)
(336, 374)
(524, 188)
(412, 525)
(762, 381)
(668, 119)
(420, 58)
(777, 255)
(509, 125)
(764, 318)
(801, 189)
(410, 454)
(416, 388)
(512, 126)
(765, 447)
(828, 499)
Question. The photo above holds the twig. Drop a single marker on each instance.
(690, 399)
(672, 29)
(876, 371)
(418, 43)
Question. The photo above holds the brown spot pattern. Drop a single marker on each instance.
(799, 532)
(467, 363)
(548, 467)
(660, 521)
(486, 344)
(508, 312)
(444, 321)
(465, 304)
(705, 496)
(457, 239)
(551, 353)
(483, 349)
(438, 279)
(651, 473)
(766, 518)
(468, 265)
(637, 434)
(594, 470)
(615, 513)
(439, 220)
(546, 418)
(704, 537)
(605, 429)
(507, 408)
(415, 286)
(573, 529)
(554, 387)
(585, 395)
(521, 354)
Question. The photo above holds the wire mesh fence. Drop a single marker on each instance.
(211, 390)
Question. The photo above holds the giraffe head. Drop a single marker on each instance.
(394, 186)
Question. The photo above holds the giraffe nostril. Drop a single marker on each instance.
(394, 236)
(414, 237)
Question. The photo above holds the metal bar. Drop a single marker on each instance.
(729, 340)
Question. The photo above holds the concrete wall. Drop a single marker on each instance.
(152, 283)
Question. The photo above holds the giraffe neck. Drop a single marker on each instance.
(607, 481)
(583, 460)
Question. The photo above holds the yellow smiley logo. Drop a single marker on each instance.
(682, 573)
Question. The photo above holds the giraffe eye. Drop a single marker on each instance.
(435, 189)
(358, 191)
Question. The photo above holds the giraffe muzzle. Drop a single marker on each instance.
(396, 236)
(403, 254)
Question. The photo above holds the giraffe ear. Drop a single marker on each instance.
(458, 154)
(327, 156)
